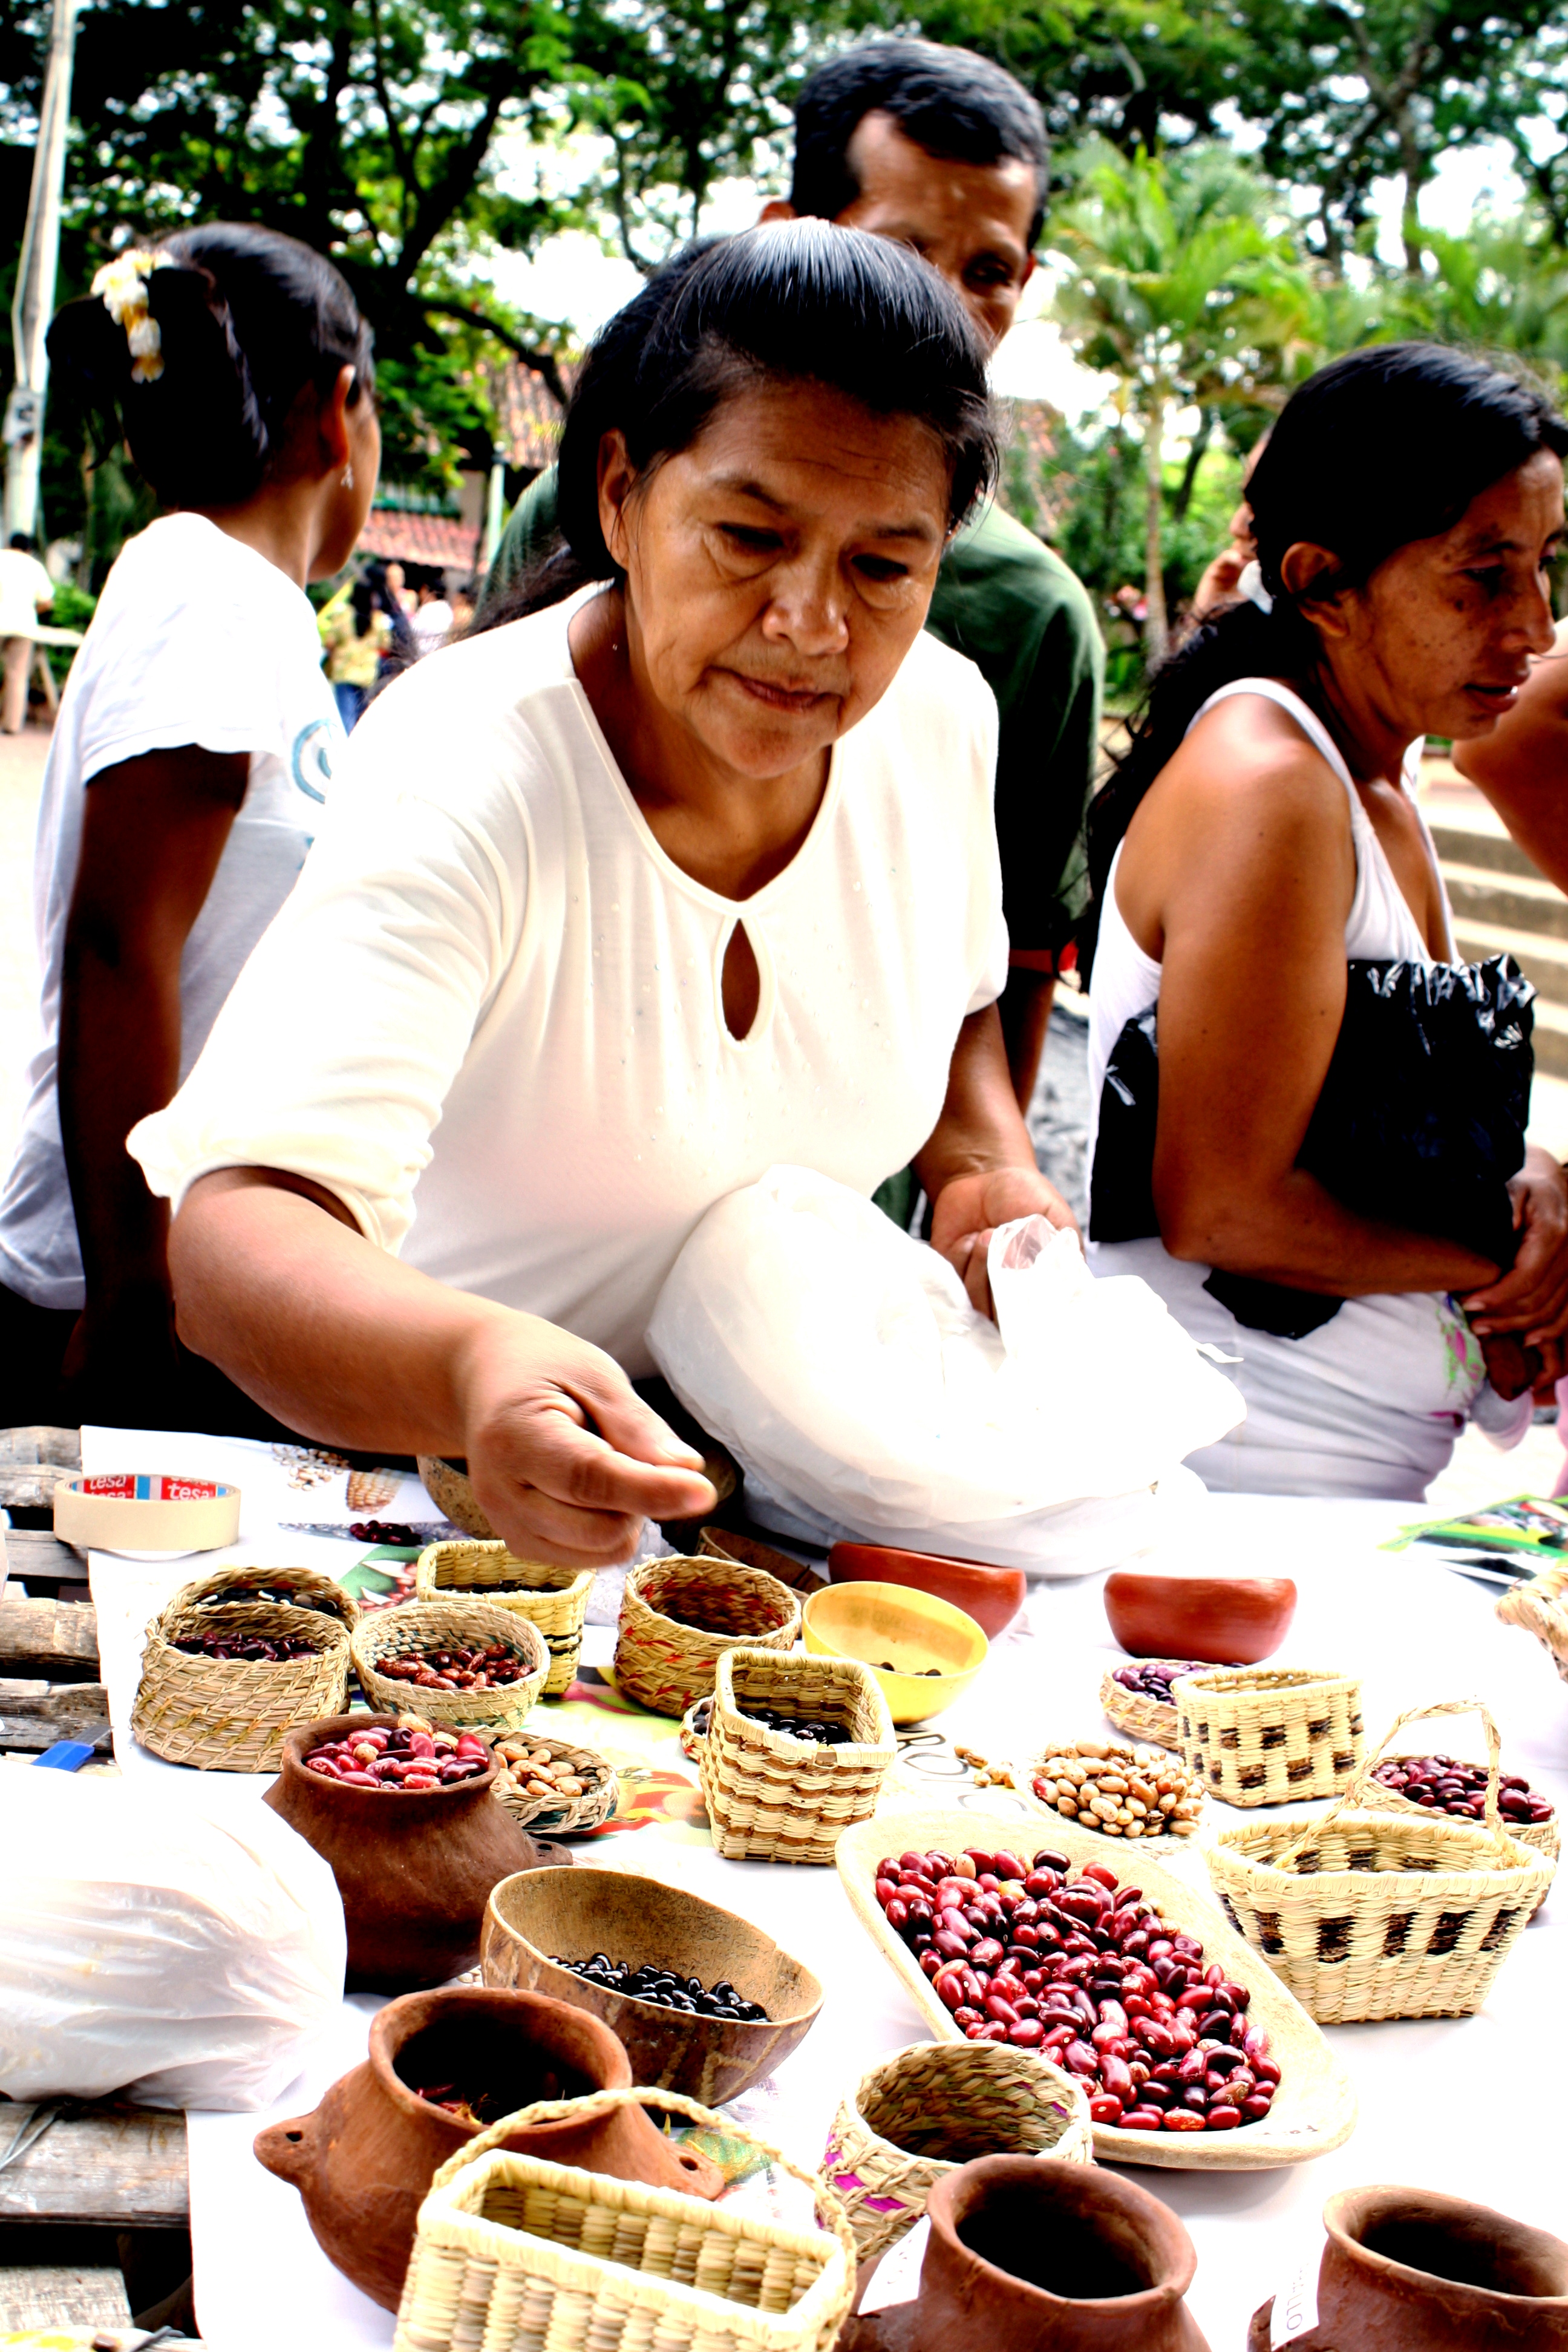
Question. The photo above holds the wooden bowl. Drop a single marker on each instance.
(580, 1912)
(1225, 1620)
(991, 1596)
(898, 1632)
(1314, 2108)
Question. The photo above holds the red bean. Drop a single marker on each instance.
(1142, 2119)
(1222, 2119)
(1028, 2033)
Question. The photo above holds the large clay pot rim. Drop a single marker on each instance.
(937, 1559)
(380, 2056)
(1166, 2229)
(325, 1727)
(1386, 2202)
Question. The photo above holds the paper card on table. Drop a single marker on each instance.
(1295, 2312)
(897, 2277)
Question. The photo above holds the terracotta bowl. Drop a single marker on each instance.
(580, 1912)
(1225, 1621)
(991, 1596)
(898, 1633)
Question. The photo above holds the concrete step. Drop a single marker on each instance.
(1523, 905)
(1461, 844)
(1543, 961)
(1552, 1038)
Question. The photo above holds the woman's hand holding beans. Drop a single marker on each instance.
(969, 1208)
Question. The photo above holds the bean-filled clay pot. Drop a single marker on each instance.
(365, 2159)
(991, 1596)
(1030, 2254)
(1408, 2270)
(415, 1868)
(1225, 1620)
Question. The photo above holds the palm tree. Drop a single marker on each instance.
(1179, 280)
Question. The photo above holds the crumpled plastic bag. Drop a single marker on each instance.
(146, 1948)
(842, 1364)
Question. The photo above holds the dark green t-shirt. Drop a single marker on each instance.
(1026, 624)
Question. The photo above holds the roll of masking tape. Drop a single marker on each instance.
(136, 1512)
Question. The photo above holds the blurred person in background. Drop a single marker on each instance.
(432, 621)
(942, 152)
(190, 760)
(357, 633)
(1221, 581)
(26, 590)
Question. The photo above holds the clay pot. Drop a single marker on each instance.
(414, 1869)
(1027, 2252)
(1408, 2270)
(991, 1596)
(364, 2161)
(1222, 1620)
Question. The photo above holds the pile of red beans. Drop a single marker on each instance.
(401, 1760)
(488, 1666)
(1086, 1972)
(246, 1649)
(1443, 1785)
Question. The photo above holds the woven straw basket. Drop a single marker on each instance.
(307, 1587)
(1369, 1914)
(1540, 1607)
(1145, 1718)
(561, 1816)
(774, 1798)
(431, 1625)
(226, 1714)
(1544, 1836)
(925, 2111)
(664, 1664)
(1270, 1735)
(514, 2254)
(554, 1599)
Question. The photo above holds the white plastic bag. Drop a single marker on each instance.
(842, 1364)
(145, 1947)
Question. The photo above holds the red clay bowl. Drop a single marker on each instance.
(991, 1596)
(1227, 1621)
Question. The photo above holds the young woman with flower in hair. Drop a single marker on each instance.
(190, 760)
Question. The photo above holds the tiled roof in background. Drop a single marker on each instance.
(445, 540)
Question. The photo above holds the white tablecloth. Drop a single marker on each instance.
(1445, 2104)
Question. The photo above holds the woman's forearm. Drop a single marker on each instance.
(980, 1127)
(118, 1059)
(1293, 1231)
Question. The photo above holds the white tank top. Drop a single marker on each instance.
(1379, 923)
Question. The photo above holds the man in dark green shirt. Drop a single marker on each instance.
(942, 151)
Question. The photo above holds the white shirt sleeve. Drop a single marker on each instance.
(984, 857)
(207, 668)
(334, 1052)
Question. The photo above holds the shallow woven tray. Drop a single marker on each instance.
(1539, 1606)
(664, 1666)
(516, 2251)
(1145, 1718)
(1162, 1842)
(431, 1624)
(1314, 2109)
(928, 2109)
(561, 1816)
(311, 1587)
(556, 1599)
(774, 1798)
(1270, 1735)
(1373, 1913)
(226, 1714)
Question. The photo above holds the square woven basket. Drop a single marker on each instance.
(554, 1599)
(774, 1798)
(513, 2253)
(665, 1659)
(1270, 1735)
(1368, 1913)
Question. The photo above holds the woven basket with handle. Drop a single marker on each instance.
(1369, 1914)
(1270, 1735)
(229, 1714)
(554, 1599)
(513, 2253)
(665, 1659)
(1545, 1836)
(426, 1625)
(772, 1798)
(926, 2110)
(1539, 1606)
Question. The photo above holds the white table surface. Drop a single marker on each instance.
(1445, 2104)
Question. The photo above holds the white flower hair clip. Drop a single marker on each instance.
(122, 285)
(1250, 585)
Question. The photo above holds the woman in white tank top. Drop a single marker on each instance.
(1260, 834)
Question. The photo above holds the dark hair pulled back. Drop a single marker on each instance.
(1383, 448)
(247, 318)
(791, 301)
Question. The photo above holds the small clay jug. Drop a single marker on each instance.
(415, 1868)
(1408, 2270)
(1027, 2252)
(364, 2161)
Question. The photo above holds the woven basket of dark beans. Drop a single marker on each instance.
(797, 1749)
(222, 1681)
(1447, 1784)
(1137, 1696)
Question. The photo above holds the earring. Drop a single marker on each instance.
(348, 478)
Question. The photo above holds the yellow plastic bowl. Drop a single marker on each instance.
(913, 1629)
